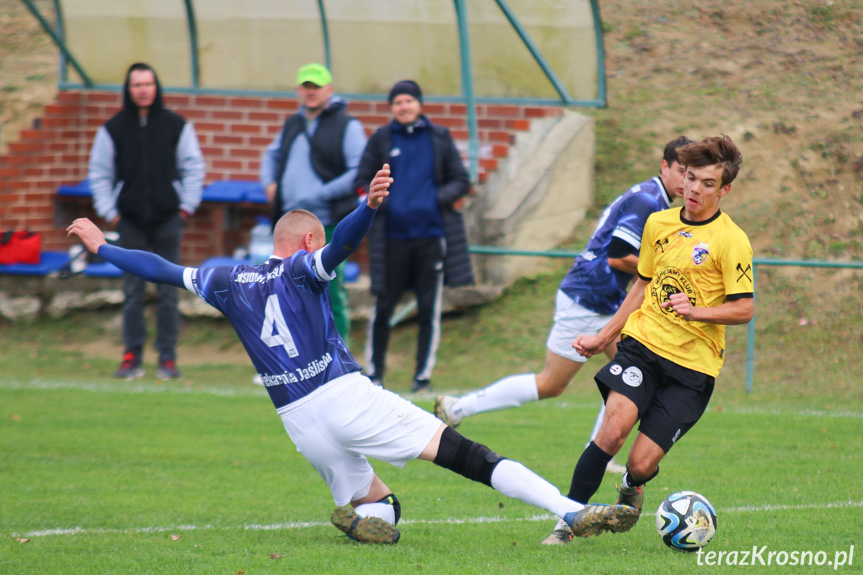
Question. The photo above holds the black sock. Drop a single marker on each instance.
(630, 481)
(587, 476)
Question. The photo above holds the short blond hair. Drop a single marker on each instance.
(295, 224)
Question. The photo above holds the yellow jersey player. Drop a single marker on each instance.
(694, 278)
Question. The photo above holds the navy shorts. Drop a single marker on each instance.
(670, 398)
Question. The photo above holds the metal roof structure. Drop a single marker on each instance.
(529, 52)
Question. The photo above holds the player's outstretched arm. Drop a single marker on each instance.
(349, 233)
(148, 266)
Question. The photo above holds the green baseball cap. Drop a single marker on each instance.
(314, 73)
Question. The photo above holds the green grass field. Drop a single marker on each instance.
(190, 477)
(198, 476)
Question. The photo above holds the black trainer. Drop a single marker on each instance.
(421, 385)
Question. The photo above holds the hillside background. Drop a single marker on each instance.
(783, 78)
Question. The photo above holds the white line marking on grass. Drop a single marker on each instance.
(794, 412)
(768, 507)
(134, 388)
(450, 521)
(738, 410)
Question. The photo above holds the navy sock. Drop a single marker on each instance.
(587, 476)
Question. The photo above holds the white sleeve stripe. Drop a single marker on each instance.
(628, 237)
(188, 273)
(319, 268)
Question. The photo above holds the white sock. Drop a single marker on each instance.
(506, 393)
(597, 424)
(384, 511)
(625, 481)
(561, 524)
(517, 481)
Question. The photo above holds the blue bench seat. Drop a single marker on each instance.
(234, 191)
(225, 191)
(81, 190)
(50, 262)
(224, 197)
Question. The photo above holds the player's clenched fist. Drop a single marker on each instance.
(588, 345)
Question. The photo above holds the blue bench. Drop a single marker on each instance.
(235, 192)
(256, 195)
(81, 190)
(54, 262)
(225, 191)
(50, 262)
(222, 195)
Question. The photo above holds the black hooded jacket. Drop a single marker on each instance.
(146, 159)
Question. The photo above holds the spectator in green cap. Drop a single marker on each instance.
(312, 164)
(315, 74)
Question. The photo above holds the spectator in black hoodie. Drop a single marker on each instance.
(146, 172)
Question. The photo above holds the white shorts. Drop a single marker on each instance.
(570, 321)
(339, 425)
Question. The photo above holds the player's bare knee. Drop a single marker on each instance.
(611, 439)
(547, 391)
(467, 458)
(548, 385)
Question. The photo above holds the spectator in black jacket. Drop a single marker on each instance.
(418, 239)
(147, 172)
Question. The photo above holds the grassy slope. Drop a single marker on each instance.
(783, 79)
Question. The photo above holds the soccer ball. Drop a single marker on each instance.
(686, 521)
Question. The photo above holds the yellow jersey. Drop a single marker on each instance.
(711, 262)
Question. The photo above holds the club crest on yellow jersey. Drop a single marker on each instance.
(700, 253)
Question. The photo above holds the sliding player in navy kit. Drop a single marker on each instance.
(334, 415)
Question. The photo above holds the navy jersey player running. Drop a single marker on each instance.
(588, 296)
(334, 415)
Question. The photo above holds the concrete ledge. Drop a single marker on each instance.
(538, 196)
(26, 299)
(362, 301)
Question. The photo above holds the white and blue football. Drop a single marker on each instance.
(686, 521)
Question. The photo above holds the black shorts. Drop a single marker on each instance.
(670, 398)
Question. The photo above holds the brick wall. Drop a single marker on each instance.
(233, 131)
